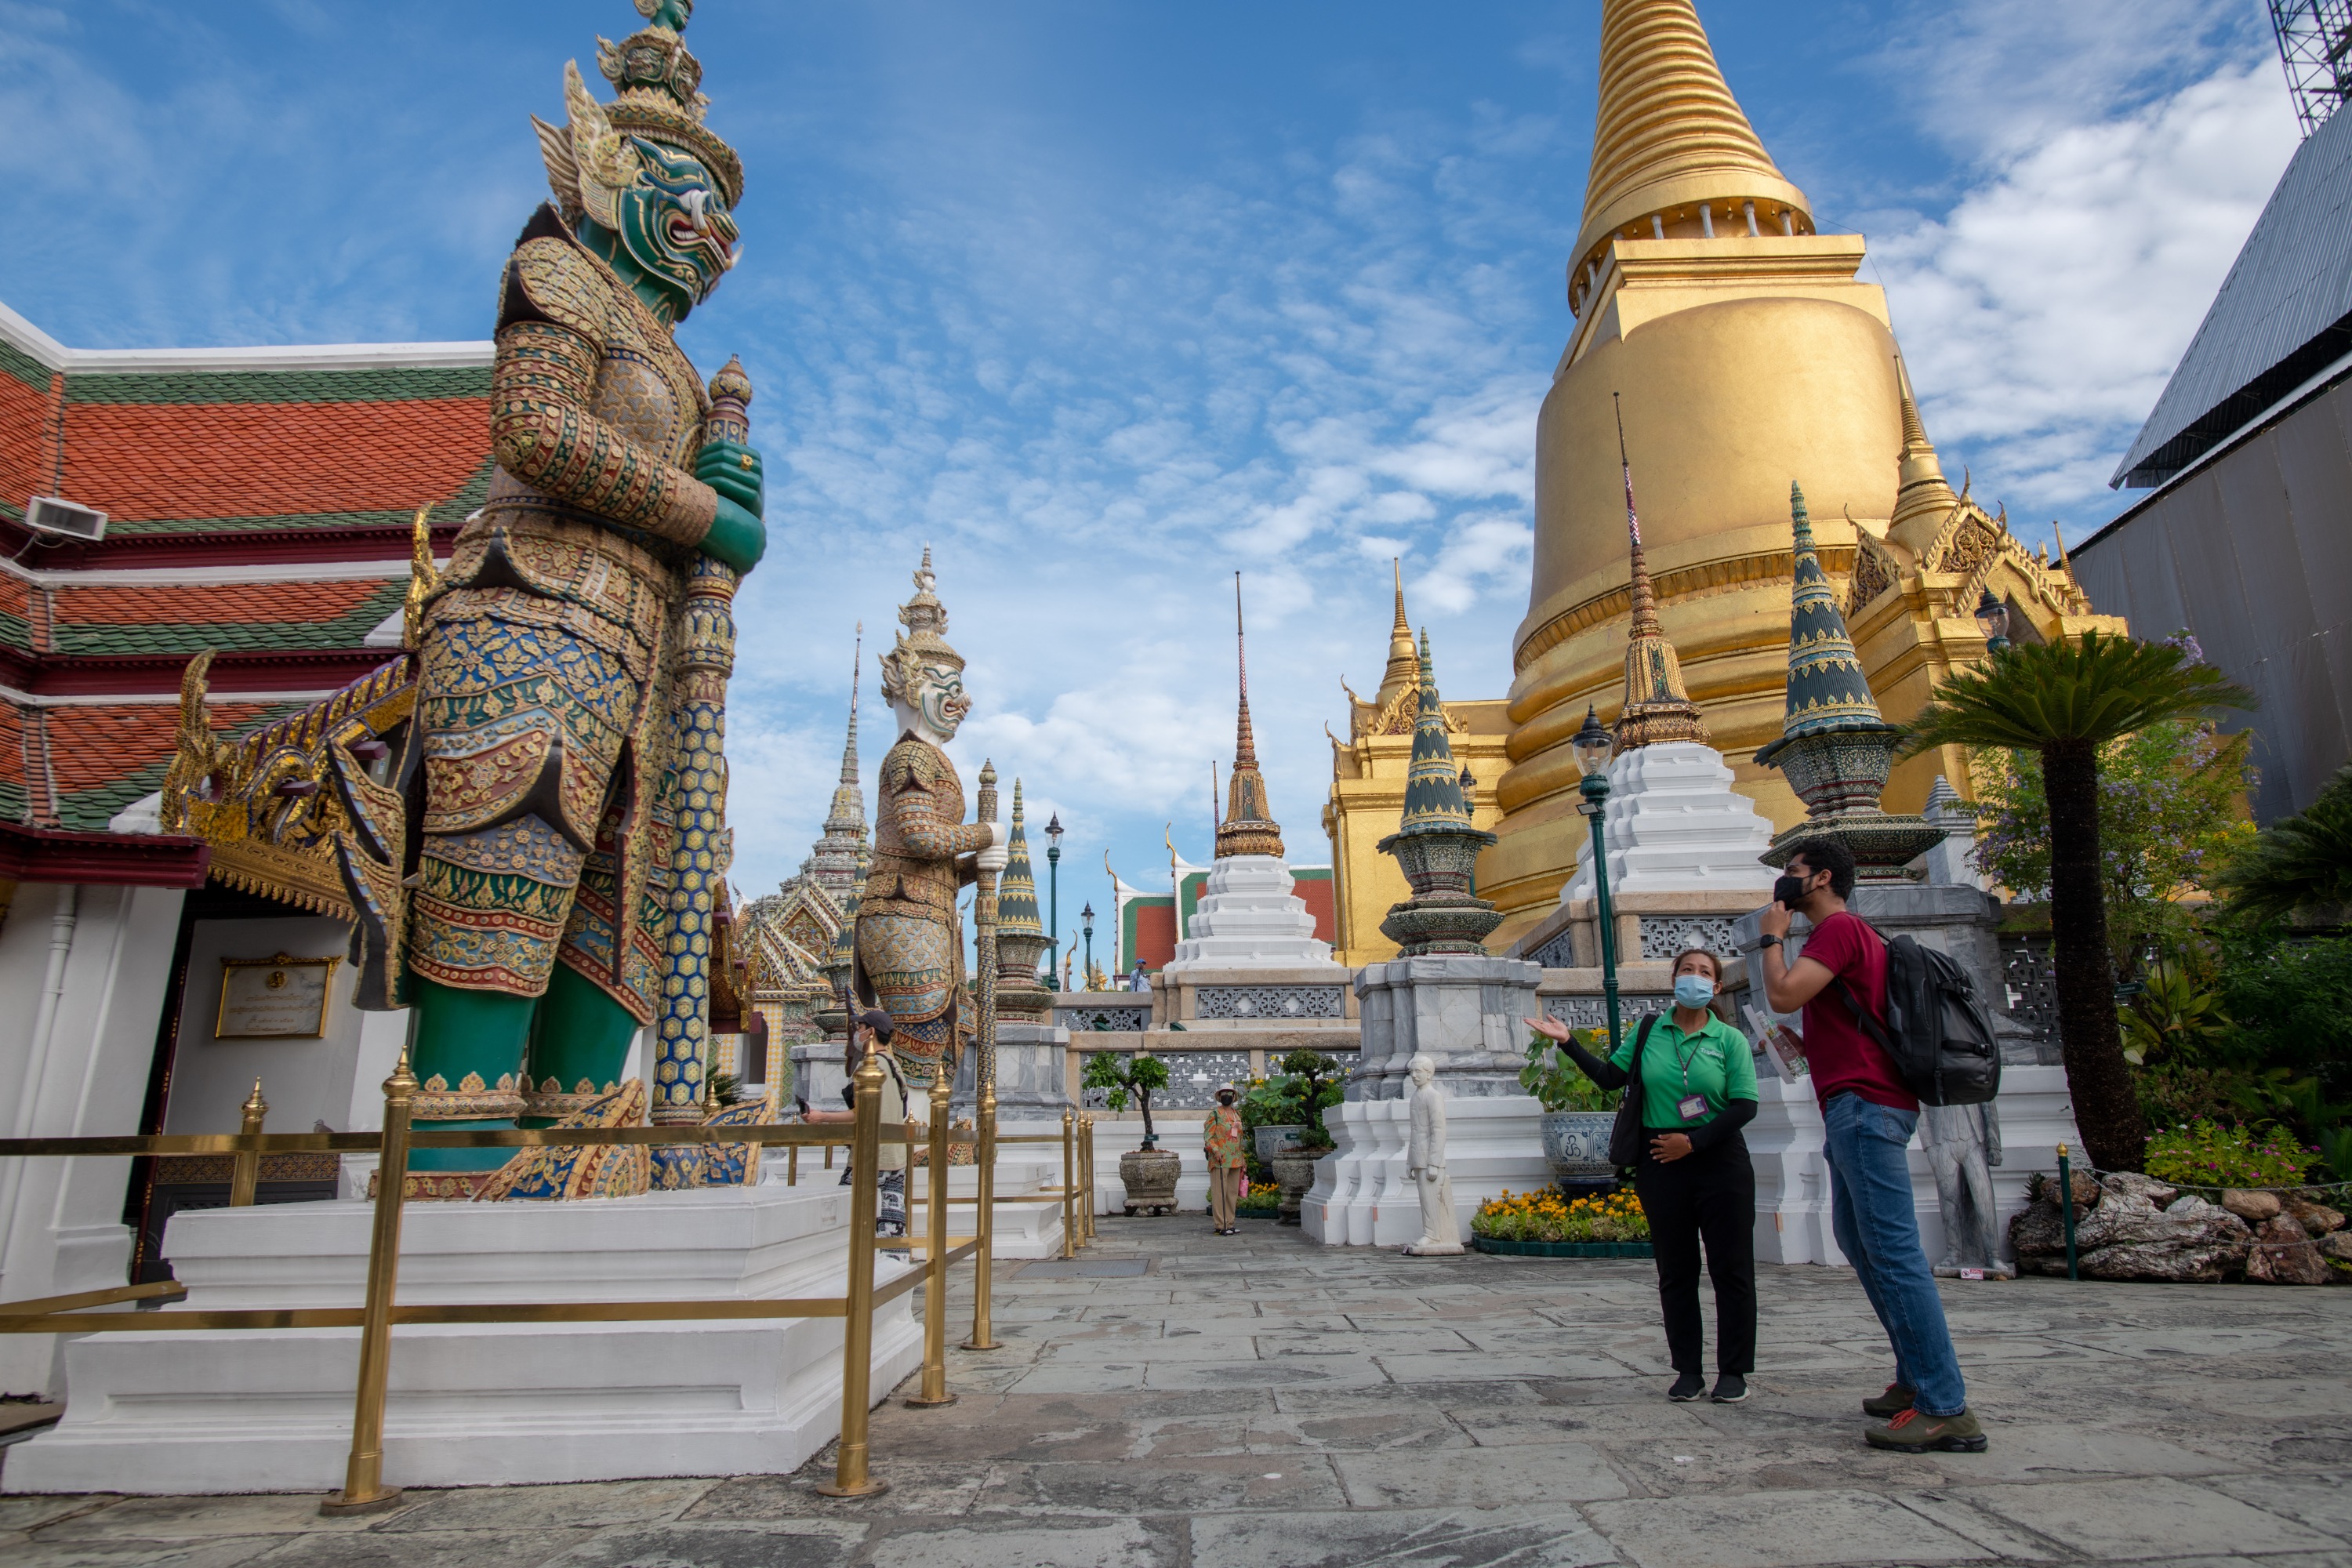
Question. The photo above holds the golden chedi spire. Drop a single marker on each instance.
(1404, 672)
(1923, 497)
(1657, 707)
(1249, 828)
(1671, 141)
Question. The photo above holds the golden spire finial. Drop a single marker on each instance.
(1669, 137)
(1658, 707)
(1404, 672)
(1923, 497)
(1249, 828)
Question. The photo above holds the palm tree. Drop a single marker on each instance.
(2298, 862)
(2065, 701)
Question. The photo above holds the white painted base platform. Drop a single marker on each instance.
(1362, 1196)
(1793, 1179)
(270, 1410)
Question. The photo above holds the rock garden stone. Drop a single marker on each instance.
(2316, 1219)
(2338, 1245)
(2252, 1208)
(2284, 1253)
(2127, 1237)
(2132, 1183)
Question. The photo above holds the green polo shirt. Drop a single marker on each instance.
(1720, 1067)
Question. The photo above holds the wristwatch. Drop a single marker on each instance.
(1768, 942)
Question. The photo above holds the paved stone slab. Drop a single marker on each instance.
(1117, 1543)
(1479, 1478)
(1784, 1530)
(796, 1543)
(423, 1549)
(2129, 1519)
(230, 1552)
(200, 1518)
(1439, 1538)
(536, 1507)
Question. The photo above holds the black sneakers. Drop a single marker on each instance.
(1731, 1389)
(1690, 1385)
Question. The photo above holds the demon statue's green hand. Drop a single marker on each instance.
(736, 535)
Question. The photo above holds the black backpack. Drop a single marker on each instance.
(1936, 1031)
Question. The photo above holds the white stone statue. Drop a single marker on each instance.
(1963, 1144)
(1441, 1232)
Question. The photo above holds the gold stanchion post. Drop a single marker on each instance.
(792, 1166)
(1087, 1179)
(983, 1328)
(246, 1175)
(935, 1275)
(849, 1474)
(1069, 1185)
(363, 1488)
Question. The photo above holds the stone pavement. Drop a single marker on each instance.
(1259, 1402)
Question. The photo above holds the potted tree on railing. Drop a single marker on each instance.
(1148, 1174)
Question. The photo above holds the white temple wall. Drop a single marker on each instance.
(74, 1059)
(305, 1081)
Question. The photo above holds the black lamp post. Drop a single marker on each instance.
(1053, 894)
(1593, 746)
(1087, 924)
(1993, 619)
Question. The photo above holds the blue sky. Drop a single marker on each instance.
(1106, 302)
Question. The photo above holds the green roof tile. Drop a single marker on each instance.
(386, 386)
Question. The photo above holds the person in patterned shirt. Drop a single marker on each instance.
(1221, 1141)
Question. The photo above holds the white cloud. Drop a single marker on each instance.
(2042, 312)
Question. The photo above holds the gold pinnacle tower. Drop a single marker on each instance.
(1700, 287)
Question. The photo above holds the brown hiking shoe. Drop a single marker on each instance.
(1892, 1403)
(1913, 1433)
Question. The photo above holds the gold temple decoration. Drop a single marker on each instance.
(1249, 828)
(1395, 708)
(1671, 141)
(1656, 708)
(271, 803)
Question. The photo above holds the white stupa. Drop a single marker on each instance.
(1672, 822)
(1248, 917)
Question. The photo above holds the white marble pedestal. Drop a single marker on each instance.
(270, 1410)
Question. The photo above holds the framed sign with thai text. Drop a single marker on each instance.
(273, 998)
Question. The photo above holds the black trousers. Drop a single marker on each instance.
(1708, 1194)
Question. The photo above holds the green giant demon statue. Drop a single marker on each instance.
(562, 841)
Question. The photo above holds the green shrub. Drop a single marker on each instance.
(2293, 1004)
(2205, 1153)
(1558, 1083)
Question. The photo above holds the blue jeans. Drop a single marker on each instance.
(1871, 1213)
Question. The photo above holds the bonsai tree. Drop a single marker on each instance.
(1123, 1074)
(1311, 1085)
(2064, 701)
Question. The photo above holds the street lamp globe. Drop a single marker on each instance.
(1593, 745)
(1054, 835)
(1992, 619)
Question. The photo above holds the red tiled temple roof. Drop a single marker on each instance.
(293, 472)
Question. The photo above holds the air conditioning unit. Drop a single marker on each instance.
(54, 514)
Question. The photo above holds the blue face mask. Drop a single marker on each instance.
(1692, 990)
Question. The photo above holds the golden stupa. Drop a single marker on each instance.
(1746, 354)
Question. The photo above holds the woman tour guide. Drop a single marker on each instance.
(1697, 1090)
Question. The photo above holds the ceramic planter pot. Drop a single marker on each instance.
(1149, 1177)
(1576, 1146)
(1294, 1173)
(1276, 1140)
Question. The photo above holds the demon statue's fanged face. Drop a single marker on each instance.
(921, 675)
(675, 225)
(937, 697)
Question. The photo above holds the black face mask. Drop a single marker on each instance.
(1790, 891)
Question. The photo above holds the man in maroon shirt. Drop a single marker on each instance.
(1868, 1117)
